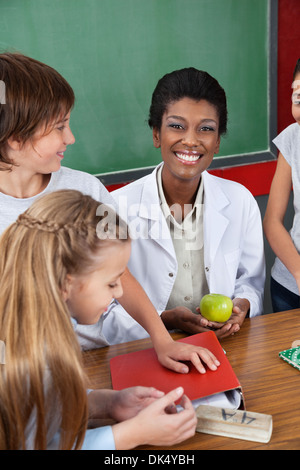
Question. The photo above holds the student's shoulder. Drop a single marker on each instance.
(290, 133)
(288, 144)
(68, 178)
(292, 129)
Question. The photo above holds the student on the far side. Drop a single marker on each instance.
(285, 274)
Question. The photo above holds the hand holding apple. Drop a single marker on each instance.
(216, 307)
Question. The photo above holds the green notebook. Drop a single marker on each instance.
(292, 356)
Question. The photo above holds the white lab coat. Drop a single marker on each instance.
(233, 248)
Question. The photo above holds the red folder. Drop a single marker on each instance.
(143, 368)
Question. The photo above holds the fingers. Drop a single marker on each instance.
(171, 397)
(171, 409)
(196, 355)
(207, 357)
(148, 392)
(224, 333)
(194, 358)
(186, 419)
(167, 402)
(175, 365)
(164, 428)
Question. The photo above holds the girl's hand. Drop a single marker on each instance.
(154, 426)
(129, 402)
(171, 353)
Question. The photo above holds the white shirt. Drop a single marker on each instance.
(187, 235)
(288, 143)
(65, 178)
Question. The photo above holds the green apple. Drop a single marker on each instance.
(216, 307)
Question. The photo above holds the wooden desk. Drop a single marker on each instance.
(270, 385)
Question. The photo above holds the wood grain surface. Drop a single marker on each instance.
(270, 385)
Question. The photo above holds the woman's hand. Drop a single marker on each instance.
(183, 319)
(233, 325)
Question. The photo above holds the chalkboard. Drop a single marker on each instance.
(113, 52)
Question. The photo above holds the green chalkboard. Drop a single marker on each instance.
(114, 51)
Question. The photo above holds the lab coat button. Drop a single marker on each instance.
(171, 274)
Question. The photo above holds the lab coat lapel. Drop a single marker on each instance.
(215, 223)
(151, 212)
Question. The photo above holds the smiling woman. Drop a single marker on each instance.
(190, 132)
(213, 241)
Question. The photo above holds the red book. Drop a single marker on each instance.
(143, 368)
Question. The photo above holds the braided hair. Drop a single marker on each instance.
(56, 236)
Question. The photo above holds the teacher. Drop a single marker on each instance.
(193, 233)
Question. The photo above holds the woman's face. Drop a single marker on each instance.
(188, 138)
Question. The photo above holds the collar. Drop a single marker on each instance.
(196, 209)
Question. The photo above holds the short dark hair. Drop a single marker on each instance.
(297, 69)
(191, 83)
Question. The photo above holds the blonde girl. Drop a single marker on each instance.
(54, 265)
(34, 135)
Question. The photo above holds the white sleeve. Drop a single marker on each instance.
(283, 143)
(99, 439)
